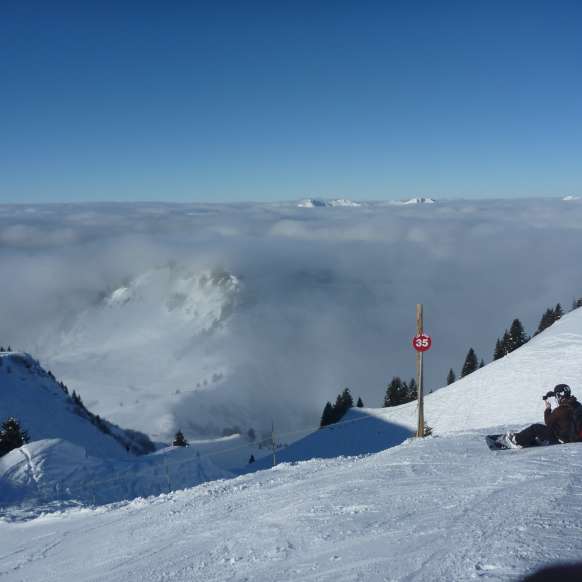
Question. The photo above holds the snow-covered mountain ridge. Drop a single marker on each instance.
(76, 456)
(46, 410)
(322, 203)
(135, 352)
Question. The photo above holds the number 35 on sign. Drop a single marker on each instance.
(422, 342)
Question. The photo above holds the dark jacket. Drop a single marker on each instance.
(561, 420)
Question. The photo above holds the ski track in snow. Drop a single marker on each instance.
(445, 508)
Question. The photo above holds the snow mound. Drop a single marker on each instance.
(53, 470)
(320, 203)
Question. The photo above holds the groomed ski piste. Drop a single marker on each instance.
(440, 508)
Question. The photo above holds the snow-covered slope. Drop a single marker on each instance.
(436, 510)
(361, 431)
(505, 393)
(74, 455)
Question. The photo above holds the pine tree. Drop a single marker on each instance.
(470, 364)
(517, 336)
(179, 440)
(327, 417)
(505, 342)
(499, 351)
(12, 436)
(360, 403)
(481, 363)
(558, 312)
(334, 412)
(451, 378)
(251, 459)
(78, 401)
(347, 400)
(395, 393)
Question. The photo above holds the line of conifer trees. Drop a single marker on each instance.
(399, 392)
(512, 338)
(334, 412)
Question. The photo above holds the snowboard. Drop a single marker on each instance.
(494, 443)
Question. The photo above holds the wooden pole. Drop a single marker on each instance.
(419, 331)
(273, 442)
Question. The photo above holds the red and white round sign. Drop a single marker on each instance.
(422, 342)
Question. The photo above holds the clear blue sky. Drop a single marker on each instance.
(249, 100)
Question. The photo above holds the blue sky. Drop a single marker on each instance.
(221, 101)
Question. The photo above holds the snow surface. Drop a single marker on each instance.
(52, 470)
(440, 508)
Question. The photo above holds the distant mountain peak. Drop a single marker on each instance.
(418, 200)
(322, 203)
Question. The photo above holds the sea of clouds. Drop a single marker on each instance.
(327, 296)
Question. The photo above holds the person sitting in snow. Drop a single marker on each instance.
(562, 425)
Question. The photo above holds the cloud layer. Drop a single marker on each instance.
(326, 297)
